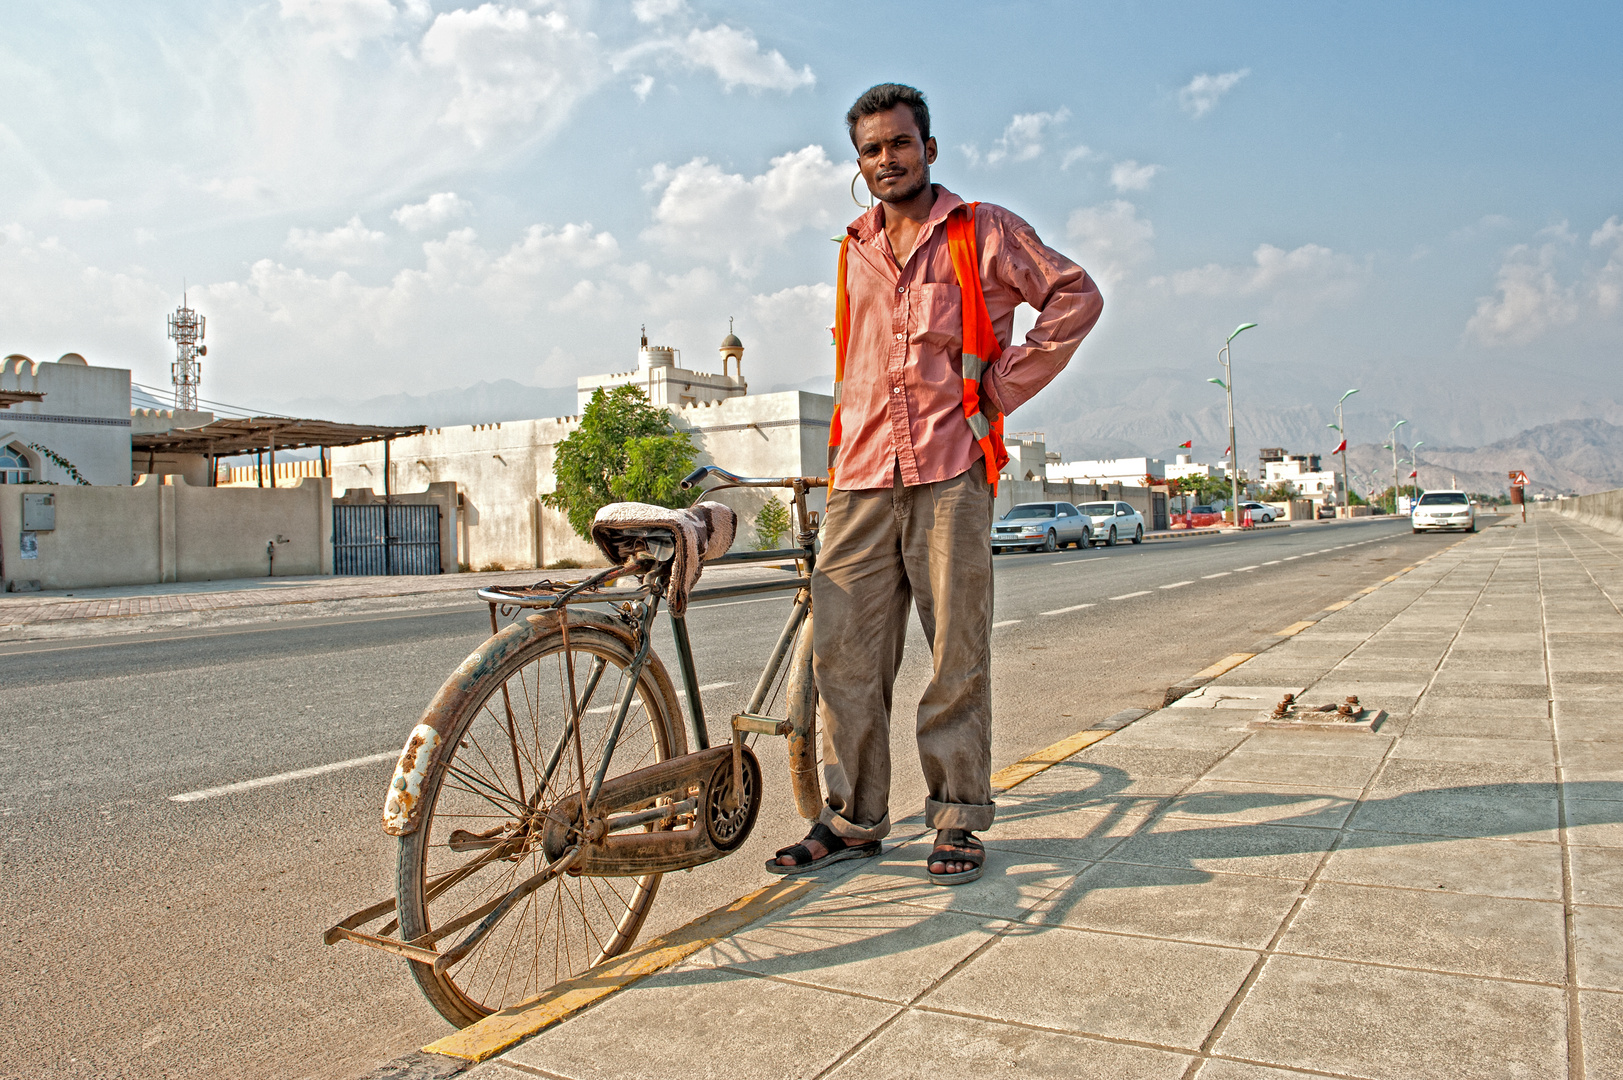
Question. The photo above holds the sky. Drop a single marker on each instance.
(369, 197)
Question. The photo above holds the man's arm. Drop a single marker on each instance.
(1020, 267)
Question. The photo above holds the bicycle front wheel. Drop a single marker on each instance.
(509, 758)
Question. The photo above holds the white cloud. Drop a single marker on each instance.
(512, 70)
(1074, 155)
(1527, 301)
(737, 59)
(437, 209)
(1609, 233)
(648, 11)
(643, 87)
(705, 212)
(83, 209)
(1129, 175)
(1112, 240)
(1202, 93)
(346, 24)
(1023, 138)
(1290, 283)
(349, 244)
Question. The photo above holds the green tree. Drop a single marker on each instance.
(625, 450)
(770, 525)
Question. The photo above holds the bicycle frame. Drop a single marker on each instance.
(582, 837)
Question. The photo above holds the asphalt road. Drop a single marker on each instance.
(148, 937)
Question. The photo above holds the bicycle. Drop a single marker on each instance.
(549, 784)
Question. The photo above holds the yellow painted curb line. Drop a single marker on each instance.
(1295, 628)
(1223, 666)
(1032, 764)
(498, 1031)
(1337, 606)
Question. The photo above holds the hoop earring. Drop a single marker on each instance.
(859, 202)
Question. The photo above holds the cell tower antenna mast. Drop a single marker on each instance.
(186, 327)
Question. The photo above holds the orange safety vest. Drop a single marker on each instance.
(980, 343)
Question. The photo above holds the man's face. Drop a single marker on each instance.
(894, 161)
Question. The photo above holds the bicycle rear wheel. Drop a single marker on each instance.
(507, 761)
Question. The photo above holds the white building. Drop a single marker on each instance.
(82, 421)
(1185, 468)
(669, 386)
(1301, 472)
(503, 470)
(1130, 471)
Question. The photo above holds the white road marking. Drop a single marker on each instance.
(1005, 622)
(1130, 595)
(1288, 558)
(1208, 577)
(715, 686)
(1243, 569)
(1272, 562)
(1064, 610)
(1177, 585)
(283, 778)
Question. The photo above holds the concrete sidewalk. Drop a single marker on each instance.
(1192, 898)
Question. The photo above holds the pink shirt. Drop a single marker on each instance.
(902, 401)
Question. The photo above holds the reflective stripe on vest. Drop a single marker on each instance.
(980, 344)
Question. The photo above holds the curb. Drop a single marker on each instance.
(500, 1031)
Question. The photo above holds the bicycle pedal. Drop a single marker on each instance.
(760, 725)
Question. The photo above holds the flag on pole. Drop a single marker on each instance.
(1414, 474)
(1226, 450)
(1190, 445)
(1340, 447)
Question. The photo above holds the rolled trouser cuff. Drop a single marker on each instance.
(848, 830)
(975, 817)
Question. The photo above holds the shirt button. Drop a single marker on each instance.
(901, 288)
(898, 337)
(896, 389)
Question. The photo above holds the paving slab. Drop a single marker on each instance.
(1391, 1024)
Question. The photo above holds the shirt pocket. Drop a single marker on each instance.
(937, 316)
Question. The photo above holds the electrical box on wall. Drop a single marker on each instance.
(39, 513)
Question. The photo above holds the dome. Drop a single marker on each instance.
(731, 342)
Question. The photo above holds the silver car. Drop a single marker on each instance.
(1113, 521)
(1443, 510)
(1045, 526)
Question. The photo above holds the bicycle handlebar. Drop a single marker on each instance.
(733, 480)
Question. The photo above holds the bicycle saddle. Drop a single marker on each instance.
(701, 532)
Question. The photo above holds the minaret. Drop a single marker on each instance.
(732, 349)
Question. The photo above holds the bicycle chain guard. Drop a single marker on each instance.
(709, 834)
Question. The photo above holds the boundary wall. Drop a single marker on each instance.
(162, 529)
(1603, 510)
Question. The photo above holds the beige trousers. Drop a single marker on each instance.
(929, 546)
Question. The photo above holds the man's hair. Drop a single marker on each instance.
(883, 98)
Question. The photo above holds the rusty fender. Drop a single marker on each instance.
(402, 806)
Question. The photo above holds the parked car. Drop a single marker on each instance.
(1261, 513)
(1443, 510)
(1040, 527)
(1201, 517)
(1114, 521)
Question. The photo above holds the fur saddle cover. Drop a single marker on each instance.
(703, 532)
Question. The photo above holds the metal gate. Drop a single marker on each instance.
(378, 538)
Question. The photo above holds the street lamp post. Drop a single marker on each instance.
(1223, 357)
(1394, 449)
(1414, 451)
(1342, 431)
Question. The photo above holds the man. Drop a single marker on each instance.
(923, 380)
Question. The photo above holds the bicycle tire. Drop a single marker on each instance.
(573, 922)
